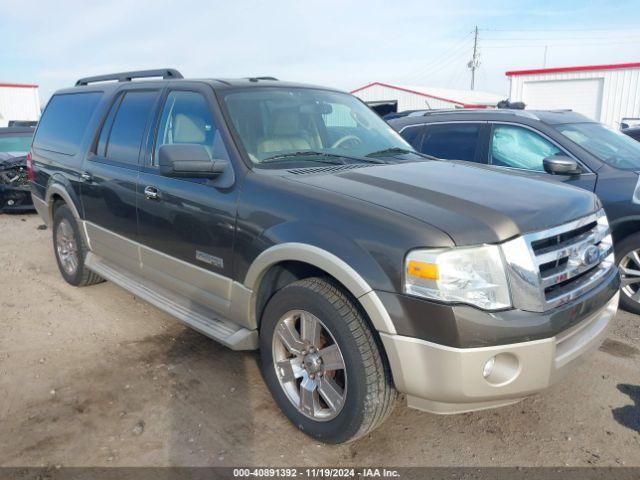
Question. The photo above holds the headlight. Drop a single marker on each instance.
(475, 276)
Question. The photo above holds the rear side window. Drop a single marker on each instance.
(124, 135)
(413, 136)
(452, 141)
(64, 121)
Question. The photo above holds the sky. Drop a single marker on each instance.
(344, 44)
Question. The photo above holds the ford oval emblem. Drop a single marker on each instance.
(590, 255)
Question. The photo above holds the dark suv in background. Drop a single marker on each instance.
(292, 219)
(548, 145)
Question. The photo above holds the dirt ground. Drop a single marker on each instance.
(95, 377)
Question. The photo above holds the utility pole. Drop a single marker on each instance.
(474, 63)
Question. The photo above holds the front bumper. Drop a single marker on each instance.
(15, 199)
(443, 379)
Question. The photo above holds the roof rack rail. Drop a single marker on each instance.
(257, 79)
(165, 73)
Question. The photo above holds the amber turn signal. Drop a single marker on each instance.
(425, 270)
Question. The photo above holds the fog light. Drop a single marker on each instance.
(488, 367)
(10, 203)
(501, 369)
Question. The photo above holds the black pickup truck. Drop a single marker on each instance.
(291, 219)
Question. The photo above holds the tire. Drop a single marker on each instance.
(68, 244)
(626, 261)
(368, 395)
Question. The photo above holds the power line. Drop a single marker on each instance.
(546, 38)
(549, 44)
(441, 59)
(559, 29)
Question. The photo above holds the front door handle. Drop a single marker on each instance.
(151, 193)
(86, 176)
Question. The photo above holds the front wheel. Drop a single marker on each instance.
(322, 363)
(628, 256)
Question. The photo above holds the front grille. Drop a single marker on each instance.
(565, 262)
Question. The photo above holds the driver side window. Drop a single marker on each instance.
(519, 147)
(186, 118)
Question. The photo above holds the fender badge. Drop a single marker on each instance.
(209, 259)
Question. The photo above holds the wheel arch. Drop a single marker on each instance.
(309, 260)
(58, 191)
(625, 227)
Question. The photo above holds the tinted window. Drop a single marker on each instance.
(519, 147)
(607, 144)
(15, 143)
(106, 128)
(451, 141)
(128, 126)
(186, 118)
(413, 136)
(65, 120)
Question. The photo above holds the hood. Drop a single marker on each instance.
(11, 157)
(471, 204)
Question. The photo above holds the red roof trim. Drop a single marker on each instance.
(464, 105)
(612, 66)
(18, 85)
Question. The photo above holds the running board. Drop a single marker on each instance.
(196, 316)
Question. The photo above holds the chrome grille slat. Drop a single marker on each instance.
(564, 249)
(582, 285)
(555, 266)
(564, 275)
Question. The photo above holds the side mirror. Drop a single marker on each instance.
(561, 165)
(188, 160)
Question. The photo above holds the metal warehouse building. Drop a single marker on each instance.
(421, 98)
(18, 101)
(607, 93)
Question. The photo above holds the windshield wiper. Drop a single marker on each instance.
(303, 153)
(397, 150)
(313, 153)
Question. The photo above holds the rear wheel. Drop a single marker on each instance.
(628, 255)
(322, 363)
(70, 249)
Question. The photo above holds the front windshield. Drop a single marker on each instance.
(610, 146)
(15, 143)
(308, 125)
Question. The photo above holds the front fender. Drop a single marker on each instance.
(342, 258)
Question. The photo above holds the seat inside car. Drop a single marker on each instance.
(286, 133)
(194, 129)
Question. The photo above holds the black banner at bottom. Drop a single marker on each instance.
(308, 473)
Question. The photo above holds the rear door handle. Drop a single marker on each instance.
(151, 193)
(86, 176)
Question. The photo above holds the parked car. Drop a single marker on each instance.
(548, 145)
(22, 123)
(633, 132)
(15, 194)
(292, 219)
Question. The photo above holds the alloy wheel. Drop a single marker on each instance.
(309, 365)
(630, 275)
(66, 247)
